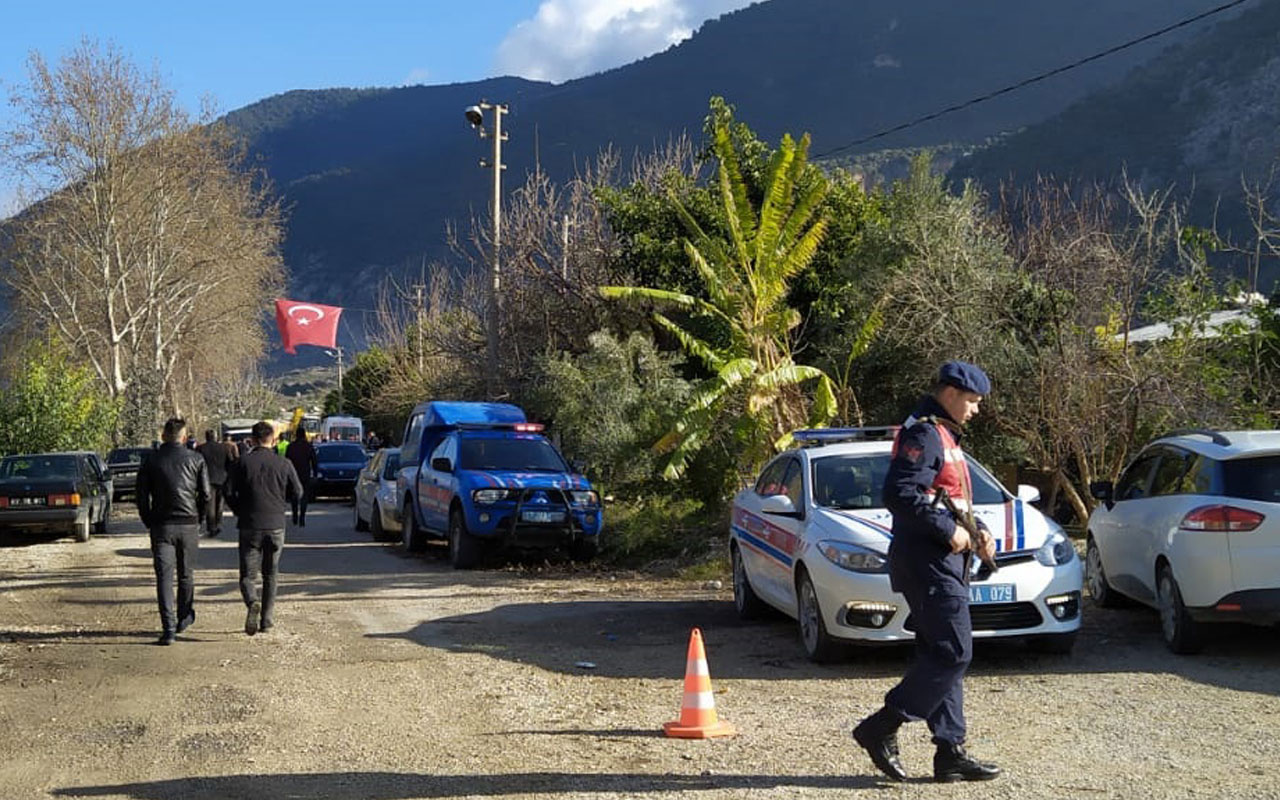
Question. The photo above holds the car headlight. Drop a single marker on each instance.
(1056, 550)
(852, 557)
(488, 496)
(584, 497)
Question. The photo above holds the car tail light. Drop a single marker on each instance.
(72, 499)
(4, 502)
(1220, 518)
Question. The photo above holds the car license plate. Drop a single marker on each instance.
(992, 593)
(542, 516)
(26, 501)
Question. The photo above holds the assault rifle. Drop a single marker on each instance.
(978, 535)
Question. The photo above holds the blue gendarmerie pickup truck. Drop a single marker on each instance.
(480, 475)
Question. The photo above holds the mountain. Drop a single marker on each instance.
(1198, 117)
(370, 177)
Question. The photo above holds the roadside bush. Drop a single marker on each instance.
(657, 527)
(610, 404)
(49, 402)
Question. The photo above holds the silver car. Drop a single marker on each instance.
(375, 506)
(1192, 528)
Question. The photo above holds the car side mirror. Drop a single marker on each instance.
(579, 466)
(1028, 493)
(441, 465)
(1104, 491)
(778, 505)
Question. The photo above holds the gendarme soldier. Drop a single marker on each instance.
(927, 564)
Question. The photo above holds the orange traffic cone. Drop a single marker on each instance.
(698, 710)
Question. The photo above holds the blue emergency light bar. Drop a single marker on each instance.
(821, 436)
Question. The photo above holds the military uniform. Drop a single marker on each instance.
(927, 457)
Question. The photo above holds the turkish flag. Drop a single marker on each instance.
(306, 323)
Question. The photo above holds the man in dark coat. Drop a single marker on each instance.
(927, 565)
(173, 492)
(303, 457)
(216, 460)
(262, 484)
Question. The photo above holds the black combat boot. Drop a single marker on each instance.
(951, 763)
(878, 735)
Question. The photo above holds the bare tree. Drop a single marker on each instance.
(151, 239)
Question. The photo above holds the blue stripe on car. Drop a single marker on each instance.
(762, 546)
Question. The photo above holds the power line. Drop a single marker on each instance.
(1042, 76)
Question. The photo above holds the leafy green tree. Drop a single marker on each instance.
(51, 402)
(755, 383)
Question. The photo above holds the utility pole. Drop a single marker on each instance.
(476, 118)
(339, 380)
(418, 288)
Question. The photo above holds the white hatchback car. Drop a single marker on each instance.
(811, 539)
(376, 495)
(1192, 528)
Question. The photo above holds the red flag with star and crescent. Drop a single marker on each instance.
(306, 323)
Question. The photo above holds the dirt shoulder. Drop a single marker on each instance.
(392, 676)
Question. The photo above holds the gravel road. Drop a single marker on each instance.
(390, 676)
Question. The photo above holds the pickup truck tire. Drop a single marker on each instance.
(464, 549)
(415, 541)
(584, 549)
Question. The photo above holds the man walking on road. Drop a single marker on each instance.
(173, 492)
(303, 457)
(927, 564)
(216, 461)
(261, 486)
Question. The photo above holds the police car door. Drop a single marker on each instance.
(436, 482)
(777, 536)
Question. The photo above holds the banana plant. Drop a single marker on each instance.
(755, 389)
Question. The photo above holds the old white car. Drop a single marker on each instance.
(375, 506)
(811, 539)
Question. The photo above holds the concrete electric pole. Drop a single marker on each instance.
(475, 115)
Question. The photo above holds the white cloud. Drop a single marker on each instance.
(571, 38)
(417, 76)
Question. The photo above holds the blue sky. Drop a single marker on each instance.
(237, 52)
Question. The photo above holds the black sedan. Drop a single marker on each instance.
(338, 467)
(124, 463)
(62, 492)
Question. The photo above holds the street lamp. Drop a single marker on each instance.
(475, 116)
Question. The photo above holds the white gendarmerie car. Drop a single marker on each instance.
(375, 506)
(811, 539)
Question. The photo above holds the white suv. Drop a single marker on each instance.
(1192, 528)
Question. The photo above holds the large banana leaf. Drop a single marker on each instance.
(691, 344)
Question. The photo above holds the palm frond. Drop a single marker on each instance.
(774, 209)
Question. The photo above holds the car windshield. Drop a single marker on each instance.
(518, 454)
(1253, 478)
(340, 453)
(856, 480)
(392, 466)
(37, 467)
(344, 433)
(129, 455)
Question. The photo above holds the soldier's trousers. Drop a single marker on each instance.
(933, 689)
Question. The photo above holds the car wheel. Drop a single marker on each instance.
(1181, 633)
(1059, 644)
(464, 549)
(1095, 577)
(414, 540)
(813, 631)
(745, 599)
(82, 529)
(360, 524)
(375, 524)
(584, 549)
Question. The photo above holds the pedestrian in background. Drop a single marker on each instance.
(172, 493)
(233, 450)
(303, 457)
(216, 461)
(927, 565)
(261, 485)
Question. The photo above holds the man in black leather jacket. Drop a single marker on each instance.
(173, 493)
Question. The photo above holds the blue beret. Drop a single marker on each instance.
(966, 376)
